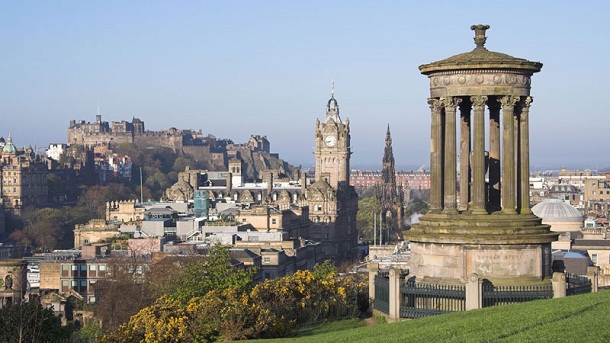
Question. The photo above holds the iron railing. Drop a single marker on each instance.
(382, 293)
(577, 284)
(503, 295)
(422, 300)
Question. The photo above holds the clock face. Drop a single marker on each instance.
(330, 141)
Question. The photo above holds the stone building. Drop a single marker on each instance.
(333, 202)
(78, 274)
(92, 232)
(13, 281)
(492, 234)
(390, 194)
(418, 180)
(24, 178)
(597, 189)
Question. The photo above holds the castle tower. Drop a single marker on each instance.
(389, 194)
(493, 232)
(332, 149)
(236, 166)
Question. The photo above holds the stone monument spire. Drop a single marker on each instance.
(389, 194)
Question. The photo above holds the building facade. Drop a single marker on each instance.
(24, 178)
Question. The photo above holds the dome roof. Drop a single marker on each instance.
(9, 147)
(480, 58)
(555, 210)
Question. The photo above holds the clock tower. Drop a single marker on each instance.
(332, 150)
(333, 203)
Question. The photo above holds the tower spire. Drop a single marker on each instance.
(332, 107)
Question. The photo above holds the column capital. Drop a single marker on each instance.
(508, 100)
(435, 103)
(478, 100)
(451, 101)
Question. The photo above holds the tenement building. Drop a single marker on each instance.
(418, 180)
(24, 178)
(488, 231)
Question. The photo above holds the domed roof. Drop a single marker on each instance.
(9, 147)
(480, 58)
(555, 210)
(332, 107)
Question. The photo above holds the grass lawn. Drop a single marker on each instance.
(581, 318)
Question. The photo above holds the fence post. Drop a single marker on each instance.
(394, 294)
(474, 292)
(592, 275)
(373, 271)
(559, 285)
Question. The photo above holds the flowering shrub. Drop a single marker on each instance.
(273, 308)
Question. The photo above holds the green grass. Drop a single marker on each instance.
(581, 318)
(318, 329)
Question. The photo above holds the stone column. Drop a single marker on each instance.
(592, 274)
(494, 155)
(450, 199)
(465, 163)
(436, 157)
(559, 285)
(394, 292)
(474, 292)
(373, 271)
(525, 156)
(478, 155)
(508, 154)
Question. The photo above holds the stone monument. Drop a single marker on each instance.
(482, 222)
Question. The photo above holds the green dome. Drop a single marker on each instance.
(9, 147)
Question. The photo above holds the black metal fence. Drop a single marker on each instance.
(422, 300)
(419, 300)
(577, 284)
(503, 295)
(382, 292)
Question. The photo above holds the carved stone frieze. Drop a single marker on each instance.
(496, 82)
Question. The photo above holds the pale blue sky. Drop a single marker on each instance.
(236, 68)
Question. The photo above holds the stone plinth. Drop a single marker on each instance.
(505, 249)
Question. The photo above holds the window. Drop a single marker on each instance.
(594, 258)
(65, 270)
(273, 221)
(266, 259)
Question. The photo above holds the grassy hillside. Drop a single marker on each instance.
(582, 318)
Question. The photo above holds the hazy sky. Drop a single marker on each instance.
(236, 68)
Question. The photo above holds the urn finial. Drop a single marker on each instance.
(479, 35)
